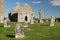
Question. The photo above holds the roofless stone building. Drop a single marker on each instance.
(1, 11)
(21, 13)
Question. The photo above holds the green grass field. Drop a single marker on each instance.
(37, 32)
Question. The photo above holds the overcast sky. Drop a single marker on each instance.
(49, 7)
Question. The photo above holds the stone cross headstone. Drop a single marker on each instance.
(25, 24)
(7, 22)
(19, 33)
(52, 21)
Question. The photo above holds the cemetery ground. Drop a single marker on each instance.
(32, 32)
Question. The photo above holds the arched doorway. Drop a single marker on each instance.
(13, 17)
(26, 18)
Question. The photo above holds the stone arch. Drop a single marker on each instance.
(26, 18)
(13, 17)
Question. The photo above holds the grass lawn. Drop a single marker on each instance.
(37, 32)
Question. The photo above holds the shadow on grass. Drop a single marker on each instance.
(11, 36)
(44, 25)
(59, 37)
(1, 26)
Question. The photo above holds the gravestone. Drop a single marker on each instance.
(47, 20)
(25, 24)
(19, 31)
(32, 21)
(7, 22)
(52, 21)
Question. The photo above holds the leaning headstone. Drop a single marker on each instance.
(25, 24)
(19, 33)
(52, 21)
(7, 22)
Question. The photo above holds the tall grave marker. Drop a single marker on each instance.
(40, 16)
(52, 21)
(1, 11)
